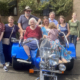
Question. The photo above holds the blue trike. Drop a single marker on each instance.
(46, 62)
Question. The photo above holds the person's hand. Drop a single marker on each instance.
(40, 25)
(44, 36)
(38, 22)
(0, 39)
(24, 31)
(21, 37)
(77, 38)
(66, 36)
(24, 40)
(59, 30)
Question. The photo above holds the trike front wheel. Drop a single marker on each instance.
(15, 64)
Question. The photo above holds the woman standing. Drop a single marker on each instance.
(63, 27)
(45, 26)
(8, 29)
(74, 25)
(2, 59)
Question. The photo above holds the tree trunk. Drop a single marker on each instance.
(38, 1)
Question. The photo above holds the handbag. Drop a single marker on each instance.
(6, 41)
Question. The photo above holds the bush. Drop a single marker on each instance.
(4, 7)
(61, 7)
(35, 5)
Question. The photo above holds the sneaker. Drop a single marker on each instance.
(29, 58)
(5, 68)
(8, 64)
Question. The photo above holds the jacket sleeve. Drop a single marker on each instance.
(3, 28)
(78, 29)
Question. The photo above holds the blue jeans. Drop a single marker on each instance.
(2, 59)
(74, 38)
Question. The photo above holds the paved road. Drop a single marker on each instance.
(23, 75)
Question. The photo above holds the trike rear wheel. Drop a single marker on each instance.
(70, 65)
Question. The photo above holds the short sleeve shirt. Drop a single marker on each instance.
(24, 21)
(8, 31)
(54, 21)
(2, 28)
(53, 34)
(36, 33)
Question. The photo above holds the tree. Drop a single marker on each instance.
(35, 5)
(61, 7)
(4, 7)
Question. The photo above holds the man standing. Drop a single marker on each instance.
(24, 19)
(52, 18)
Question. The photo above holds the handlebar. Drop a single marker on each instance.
(65, 38)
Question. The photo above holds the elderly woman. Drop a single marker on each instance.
(32, 31)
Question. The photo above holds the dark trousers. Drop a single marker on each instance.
(74, 39)
(7, 52)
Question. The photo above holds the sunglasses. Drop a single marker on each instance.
(28, 11)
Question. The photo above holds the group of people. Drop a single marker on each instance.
(29, 28)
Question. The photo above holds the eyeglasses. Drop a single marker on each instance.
(28, 11)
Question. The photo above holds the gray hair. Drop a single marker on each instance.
(33, 20)
(52, 13)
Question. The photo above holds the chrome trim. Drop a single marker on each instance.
(65, 39)
(49, 75)
(41, 75)
(37, 78)
(24, 61)
(55, 71)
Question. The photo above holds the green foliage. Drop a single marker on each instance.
(61, 7)
(35, 5)
(4, 6)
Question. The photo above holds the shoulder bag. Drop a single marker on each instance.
(6, 41)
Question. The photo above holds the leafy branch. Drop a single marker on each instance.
(61, 7)
(4, 7)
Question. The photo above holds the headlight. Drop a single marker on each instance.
(42, 65)
(62, 67)
(53, 63)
